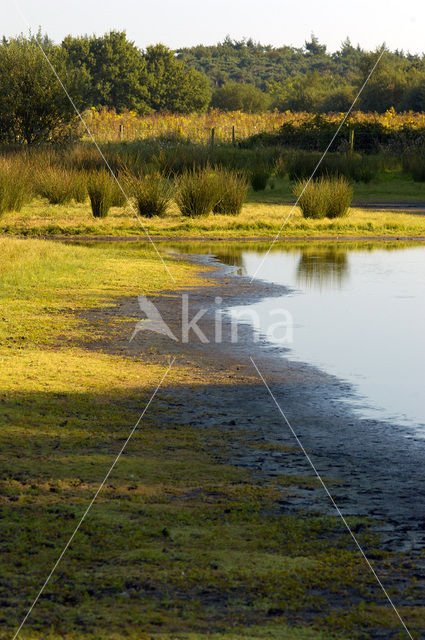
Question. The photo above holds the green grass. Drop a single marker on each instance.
(40, 296)
(389, 186)
(180, 544)
(270, 631)
(262, 216)
(256, 220)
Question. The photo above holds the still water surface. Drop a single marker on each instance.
(358, 314)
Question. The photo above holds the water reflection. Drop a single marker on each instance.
(319, 267)
(358, 310)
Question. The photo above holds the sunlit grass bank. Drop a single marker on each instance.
(256, 219)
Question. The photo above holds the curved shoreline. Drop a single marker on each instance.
(373, 468)
(379, 462)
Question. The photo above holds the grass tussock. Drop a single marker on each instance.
(324, 198)
(259, 178)
(119, 196)
(232, 189)
(59, 185)
(15, 185)
(79, 191)
(150, 192)
(196, 192)
(102, 192)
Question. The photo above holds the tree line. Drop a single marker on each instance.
(310, 78)
(111, 71)
(96, 71)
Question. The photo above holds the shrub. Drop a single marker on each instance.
(196, 192)
(231, 191)
(260, 178)
(314, 131)
(151, 193)
(238, 96)
(101, 190)
(15, 187)
(324, 197)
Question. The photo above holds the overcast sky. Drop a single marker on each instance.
(179, 23)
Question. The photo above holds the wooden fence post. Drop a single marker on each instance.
(121, 131)
(351, 140)
(212, 136)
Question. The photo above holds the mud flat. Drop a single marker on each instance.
(372, 468)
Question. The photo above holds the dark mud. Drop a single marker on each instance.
(375, 468)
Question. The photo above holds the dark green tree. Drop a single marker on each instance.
(171, 85)
(388, 84)
(33, 106)
(339, 99)
(414, 98)
(117, 69)
(286, 72)
(314, 48)
(302, 93)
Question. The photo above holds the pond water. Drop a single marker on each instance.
(358, 313)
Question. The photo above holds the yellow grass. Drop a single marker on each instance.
(106, 125)
(109, 126)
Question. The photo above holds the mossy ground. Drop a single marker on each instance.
(179, 544)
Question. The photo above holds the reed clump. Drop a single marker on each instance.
(196, 192)
(324, 197)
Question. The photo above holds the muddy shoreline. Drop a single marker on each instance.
(205, 239)
(372, 468)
